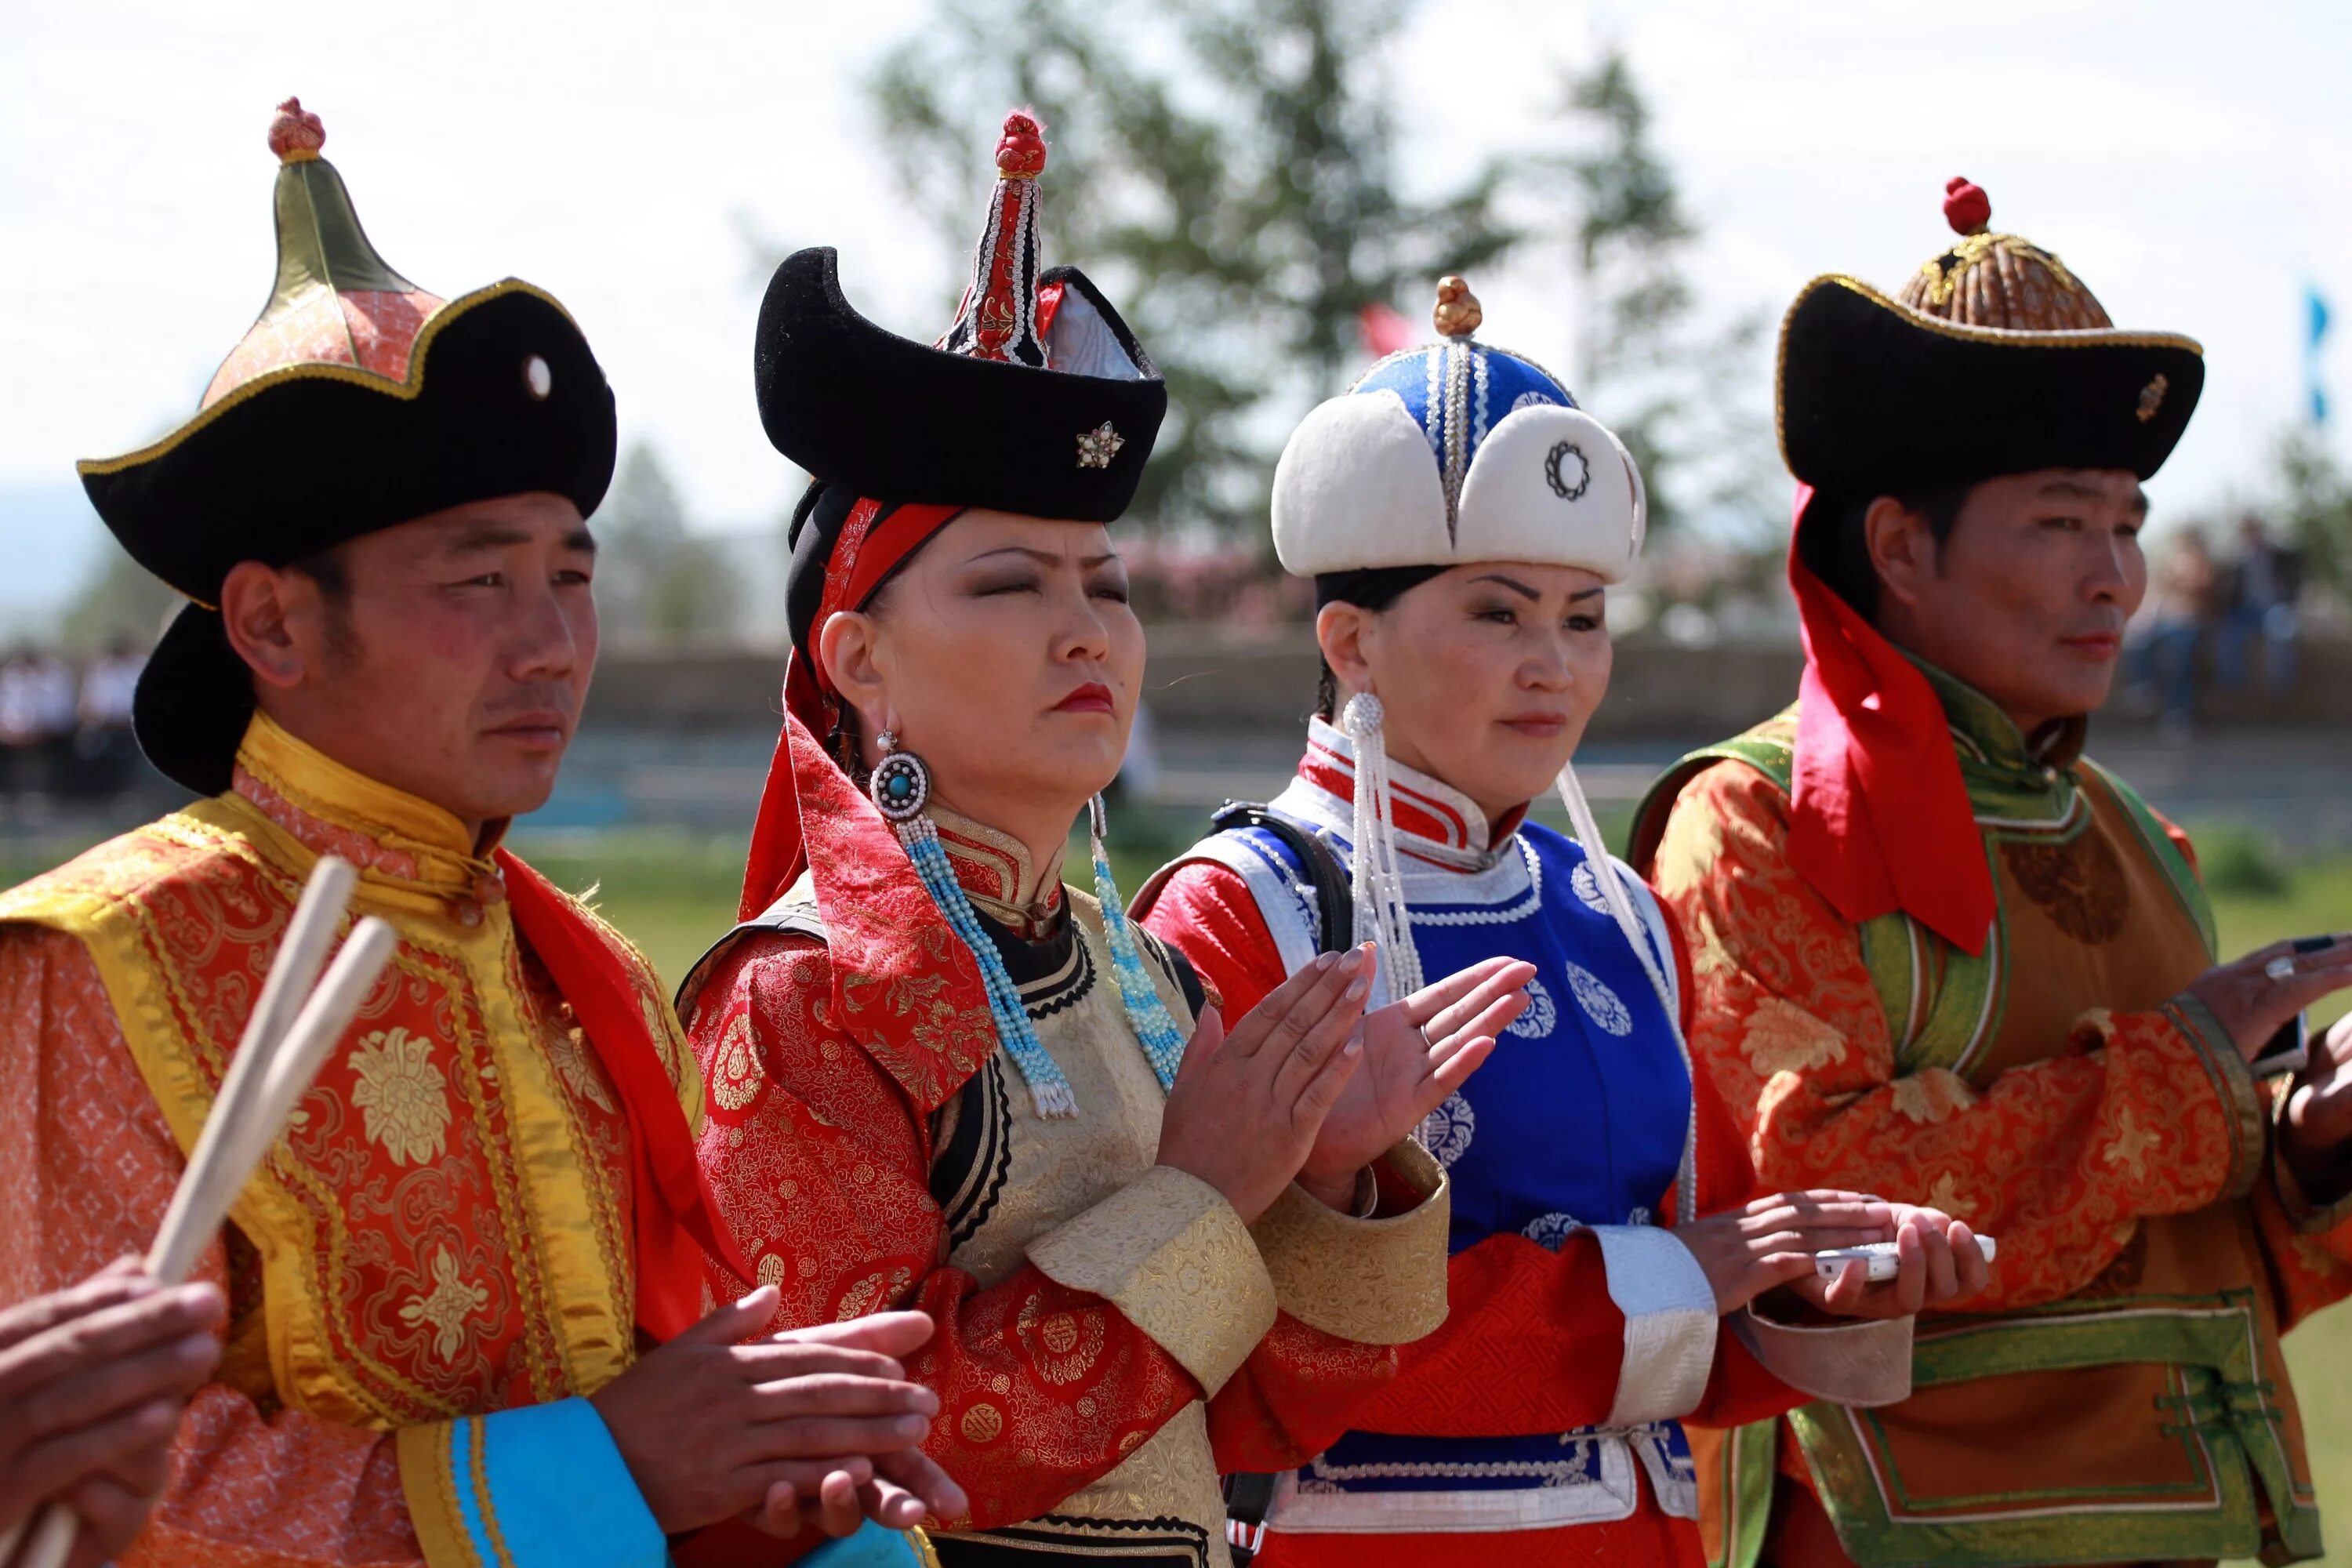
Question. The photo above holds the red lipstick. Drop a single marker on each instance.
(1094, 697)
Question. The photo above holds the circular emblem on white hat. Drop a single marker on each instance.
(537, 379)
(1566, 470)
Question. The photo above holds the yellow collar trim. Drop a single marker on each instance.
(412, 840)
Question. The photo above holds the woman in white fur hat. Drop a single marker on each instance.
(1462, 519)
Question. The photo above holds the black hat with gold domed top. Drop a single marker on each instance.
(1993, 359)
(356, 402)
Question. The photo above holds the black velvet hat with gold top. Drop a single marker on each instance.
(356, 402)
(1994, 359)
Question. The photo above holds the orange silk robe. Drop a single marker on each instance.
(1103, 1322)
(2117, 1394)
(443, 1233)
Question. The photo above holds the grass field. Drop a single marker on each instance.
(675, 893)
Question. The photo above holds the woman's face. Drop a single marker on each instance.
(1004, 655)
(1487, 673)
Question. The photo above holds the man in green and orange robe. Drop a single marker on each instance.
(1940, 950)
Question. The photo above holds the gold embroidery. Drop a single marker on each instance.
(1374, 1281)
(406, 1102)
(736, 1080)
(2131, 1145)
(1783, 1038)
(447, 1307)
(1931, 1095)
(578, 1074)
(981, 1424)
(2151, 397)
(1944, 1194)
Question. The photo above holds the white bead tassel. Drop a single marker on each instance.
(1381, 913)
(1620, 907)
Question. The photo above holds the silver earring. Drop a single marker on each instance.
(902, 784)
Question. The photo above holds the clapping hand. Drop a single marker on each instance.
(1416, 1053)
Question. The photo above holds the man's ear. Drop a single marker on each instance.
(1902, 548)
(1340, 629)
(848, 650)
(260, 607)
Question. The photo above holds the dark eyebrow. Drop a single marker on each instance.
(1513, 583)
(2139, 503)
(1044, 557)
(1586, 592)
(481, 538)
(2075, 489)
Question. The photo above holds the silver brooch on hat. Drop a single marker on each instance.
(1098, 446)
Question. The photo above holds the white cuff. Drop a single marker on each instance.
(1670, 1323)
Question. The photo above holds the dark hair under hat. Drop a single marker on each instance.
(357, 401)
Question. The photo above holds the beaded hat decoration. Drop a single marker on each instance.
(1989, 279)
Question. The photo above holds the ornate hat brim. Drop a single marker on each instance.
(885, 416)
(1876, 398)
(309, 455)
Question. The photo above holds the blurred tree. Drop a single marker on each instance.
(1225, 168)
(1681, 395)
(657, 582)
(119, 598)
(2315, 497)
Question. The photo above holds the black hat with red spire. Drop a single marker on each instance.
(355, 402)
(1037, 401)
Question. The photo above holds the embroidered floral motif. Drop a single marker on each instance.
(735, 1078)
(403, 1093)
(447, 1306)
(580, 1077)
(1587, 889)
(1783, 1038)
(2131, 1145)
(1446, 1132)
(1600, 1003)
(1930, 1096)
(1542, 1012)
(2080, 886)
(1552, 1231)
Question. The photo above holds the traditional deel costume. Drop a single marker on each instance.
(1542, 1425)
(938, 1074)
(491, 1188)
(1939, 957)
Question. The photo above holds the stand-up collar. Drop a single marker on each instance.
(2011, 776)
(403, 847)
(998, 874)
(1435, 821)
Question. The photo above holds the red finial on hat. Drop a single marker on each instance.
(296, 133)
(1966, 207)
(1020, 151)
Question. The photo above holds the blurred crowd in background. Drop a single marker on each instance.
(65, 731)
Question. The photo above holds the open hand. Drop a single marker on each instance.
(1245, 1108)
(2253, 1007)
(1416, 1052)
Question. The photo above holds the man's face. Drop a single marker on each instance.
(2026, 599)
(454, 666)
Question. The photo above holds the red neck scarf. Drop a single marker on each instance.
(676, 1222)
(1879, 816)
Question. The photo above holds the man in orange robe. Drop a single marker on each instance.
(1939, 951)
(440, 1281)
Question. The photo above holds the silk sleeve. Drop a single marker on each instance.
(2134, 1114)
(89, 1165)
(820, 1161)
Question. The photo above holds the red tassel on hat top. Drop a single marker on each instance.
(1966, 207)
(998, 318)
(296, 133)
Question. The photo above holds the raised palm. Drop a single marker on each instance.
(1417, 1051)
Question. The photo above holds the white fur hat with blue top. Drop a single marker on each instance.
(1454, 453)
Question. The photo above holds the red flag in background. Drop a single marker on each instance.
(1385, 332)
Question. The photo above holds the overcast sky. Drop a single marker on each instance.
(2187, 161)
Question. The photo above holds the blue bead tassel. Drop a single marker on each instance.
(1048, 1089)
(1162, 1046)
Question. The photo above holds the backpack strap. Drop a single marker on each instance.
(1325, 873)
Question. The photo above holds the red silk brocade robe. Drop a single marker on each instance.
(1105, 1322)
(1536, 1340)
(436, 1263)
(2117, 1394)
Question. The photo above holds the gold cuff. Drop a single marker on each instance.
(2243, 1096)
(1374, 1281)
(1172, 1255)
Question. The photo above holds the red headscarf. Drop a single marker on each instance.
(1879, 816)
(858, 563)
